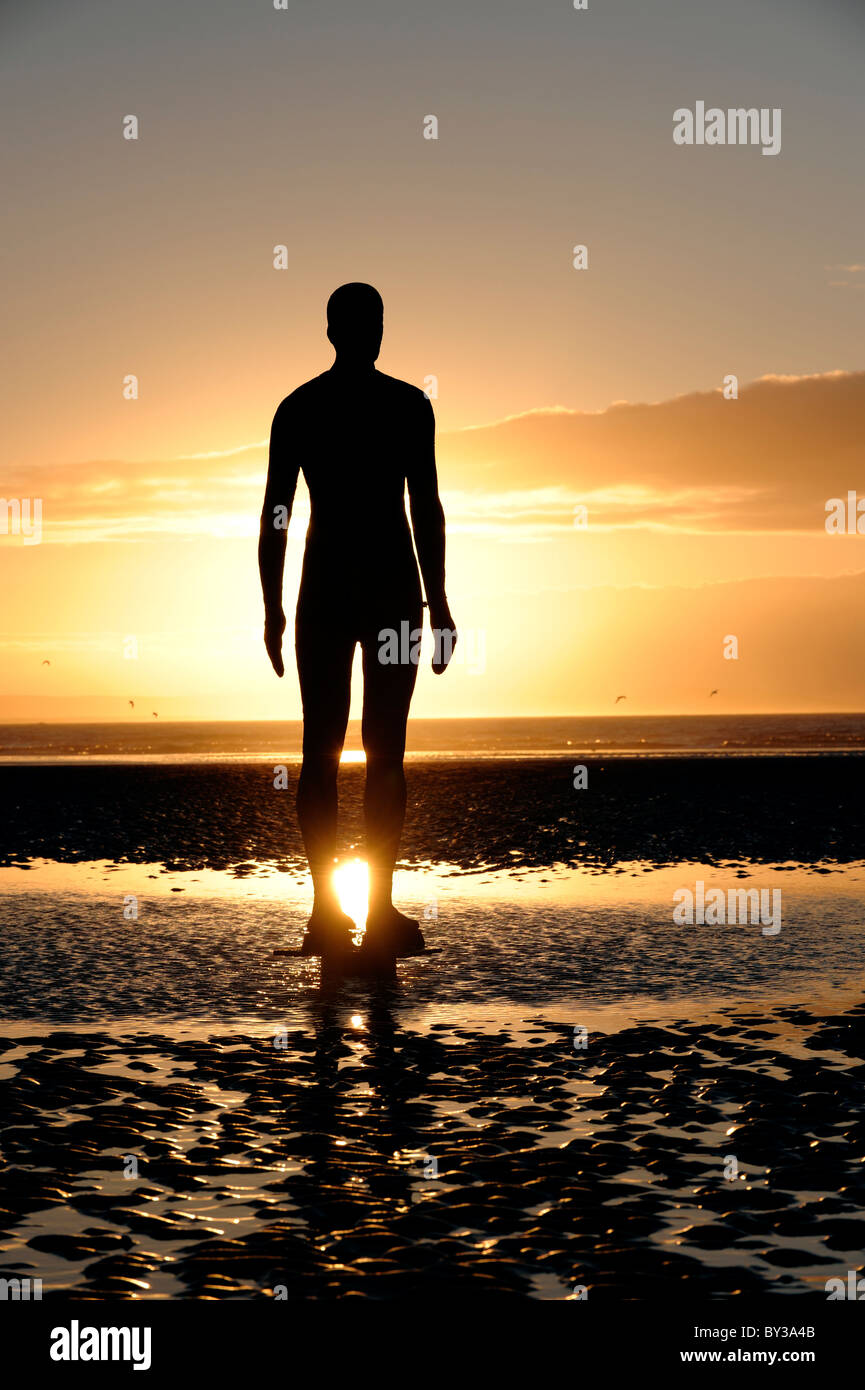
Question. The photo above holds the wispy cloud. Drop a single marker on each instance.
(767, 461)
(225, 453)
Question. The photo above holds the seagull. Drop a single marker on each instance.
(155, 715)
(46, 662)
(711, 693)
(132, 704)
(620, 697)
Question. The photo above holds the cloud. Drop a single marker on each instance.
(768, 461)
(116, 500)
(765, 462)
(225, 453)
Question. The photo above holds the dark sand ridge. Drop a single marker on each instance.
(481, 814)
(556, 1167)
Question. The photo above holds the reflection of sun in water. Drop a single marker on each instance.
(351, 882)
(353, 755)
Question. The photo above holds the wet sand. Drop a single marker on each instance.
(475, 814)
(189, 1113)
(363, 1156)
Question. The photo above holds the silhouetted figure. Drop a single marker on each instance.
(359, 437)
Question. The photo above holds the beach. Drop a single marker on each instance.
(500, 813)
(572, 1095)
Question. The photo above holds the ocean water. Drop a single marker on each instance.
(620, 735)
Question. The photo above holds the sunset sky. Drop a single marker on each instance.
(557, 388)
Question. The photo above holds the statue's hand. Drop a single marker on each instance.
(274, 627)
(444, 635)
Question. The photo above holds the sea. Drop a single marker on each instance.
(615, 735)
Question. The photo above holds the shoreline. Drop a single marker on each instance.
(355, 756)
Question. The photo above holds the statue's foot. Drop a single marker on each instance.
(389, 932)
(328, 933)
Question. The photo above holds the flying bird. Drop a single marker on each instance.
(620, 697)
(155, 715)
(711, 693)
(46, 662)
(132, 704)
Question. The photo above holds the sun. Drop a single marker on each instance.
(351, 882)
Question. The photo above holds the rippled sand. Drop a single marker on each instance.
(367, 1155)
(441, 1130)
